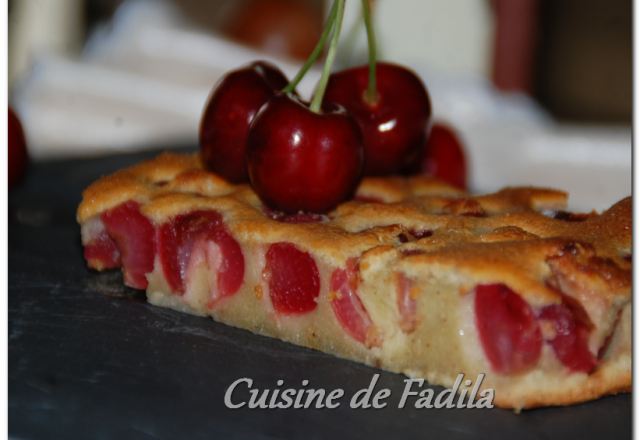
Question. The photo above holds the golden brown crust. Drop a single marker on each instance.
(434, 235)
(173, 183)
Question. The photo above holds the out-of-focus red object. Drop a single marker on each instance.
(279, 27)
(443, 156)
(17, 145)
(515, 44)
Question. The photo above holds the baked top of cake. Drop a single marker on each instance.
(172, 184)
(406, 240)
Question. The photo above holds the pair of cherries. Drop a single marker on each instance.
(298, 160)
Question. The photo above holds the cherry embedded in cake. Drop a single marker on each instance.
(508, 329)
(410, 275)
(200, 234)
(135, 238)
(348, 308)
(293, 279)
(571, 339)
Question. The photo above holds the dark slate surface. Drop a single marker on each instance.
(90, 359)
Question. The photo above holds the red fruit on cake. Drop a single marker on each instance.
(571, 339)
(442, 157)
(233, 104)
(135, 238)
(394, 128)
(348, 308)
(508, 329)
(299, 160)
(195, 233)
(293, 279)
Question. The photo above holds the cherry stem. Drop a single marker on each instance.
(314, 55)
(371, 95)
(331, 55)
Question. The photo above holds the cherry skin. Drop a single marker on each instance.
(228, 113)
(299, 160)
(508, 329)
(443, 157)
(292, 218)
(571, 341)
(294, 280)
(345, 303)
(17, 146)
(102, 253)
(395, 127)
(177, 240)
(135, 238)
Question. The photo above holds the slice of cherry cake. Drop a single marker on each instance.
(412, 276)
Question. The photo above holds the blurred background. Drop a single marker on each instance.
(539, 90)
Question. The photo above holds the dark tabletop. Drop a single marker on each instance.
(89, 358)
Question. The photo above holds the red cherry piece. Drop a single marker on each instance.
(395, 127)
(444, 158)
(175, 242)
(292, 218)
(346, 305)
(580, 315)
(300, 218)
(406, 304)
(231, 271)
(102, 253)
(294, 280)
(303, 161)
(228, 113)
(571, 342)
(413, 235)
(409, 253)
(571, 217)
(135, 238)
(508, 329)
(422, 233)
(17, 146)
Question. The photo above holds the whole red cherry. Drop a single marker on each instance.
(299, 160)
(230, 109)
(443, 157)
(17, 147)
(395, 127)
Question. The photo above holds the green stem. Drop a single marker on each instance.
(314, 55)
(331, 55)
(371, 95)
